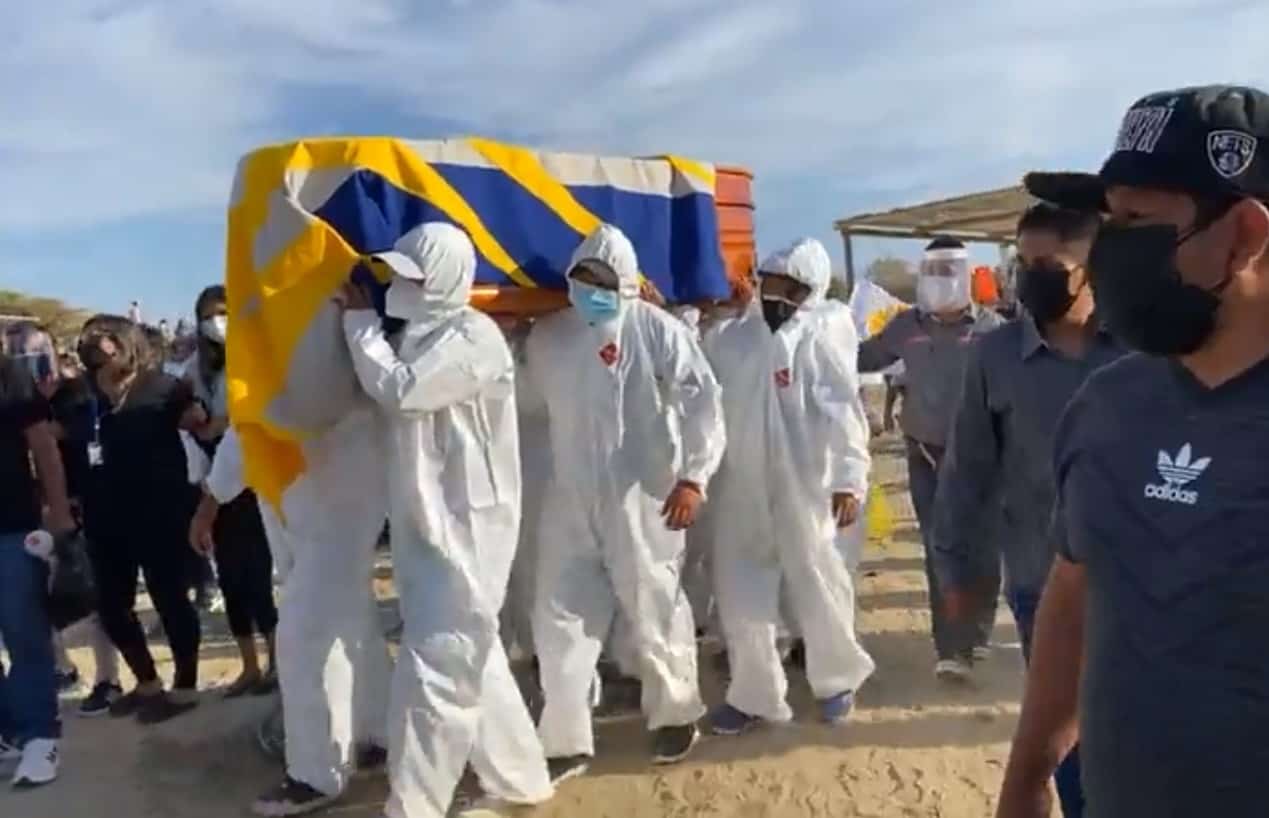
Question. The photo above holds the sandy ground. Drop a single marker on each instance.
(913, 747)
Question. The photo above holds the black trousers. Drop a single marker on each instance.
(245, 568)
(159, 553)
(950, 641)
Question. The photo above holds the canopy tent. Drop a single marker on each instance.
(989, 216)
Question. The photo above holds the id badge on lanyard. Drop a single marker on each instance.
(96, 457)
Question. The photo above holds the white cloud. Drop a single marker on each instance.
(111, 110)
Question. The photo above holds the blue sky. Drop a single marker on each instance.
(121, 120)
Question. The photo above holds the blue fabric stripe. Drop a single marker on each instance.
(530, 232)
(371, 213)
(676, 238)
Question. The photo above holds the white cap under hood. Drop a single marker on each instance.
(806, 262)
(608, 245)
(442, 259)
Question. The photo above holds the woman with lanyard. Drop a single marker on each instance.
(243, 563)
(135, 509)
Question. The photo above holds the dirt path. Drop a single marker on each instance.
(913, 748)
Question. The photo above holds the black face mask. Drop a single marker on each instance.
(1044, 290)
(776, 311)
(1141, 295)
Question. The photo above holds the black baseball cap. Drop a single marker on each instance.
(1205, 141)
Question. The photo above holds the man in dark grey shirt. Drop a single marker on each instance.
(1018, 380)
(933, 341)
(1153, 633)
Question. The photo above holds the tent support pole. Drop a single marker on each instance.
(849, 248)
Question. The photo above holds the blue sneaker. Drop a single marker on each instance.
(835, 709)
(729, 721)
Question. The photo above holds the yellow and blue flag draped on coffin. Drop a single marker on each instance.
(302, 216)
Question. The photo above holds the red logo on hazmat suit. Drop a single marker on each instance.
(609, 354)
(783, 378)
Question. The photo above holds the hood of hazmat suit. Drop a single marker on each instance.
(805, 438)
(605, 547)
(446, 389)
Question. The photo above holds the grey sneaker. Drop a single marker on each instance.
(98, 703)
(670, 745)
(953, 671)
(566, 767)
(291, 797)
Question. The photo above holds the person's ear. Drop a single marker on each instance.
(1251, 235)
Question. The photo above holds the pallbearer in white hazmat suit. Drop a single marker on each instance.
(797, 472)
(535, 475)
(333, 665)
(446, 388)
(625, 486)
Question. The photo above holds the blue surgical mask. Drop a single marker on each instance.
(595, 304)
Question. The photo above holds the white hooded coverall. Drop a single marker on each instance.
(801, 435)
(604, 545)
(447, 391)
(333, 664)
(535, 476)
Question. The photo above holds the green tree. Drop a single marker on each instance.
(895, 276)
(62, 320)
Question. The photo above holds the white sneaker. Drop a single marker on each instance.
(952, 670)
(38, 765)
(982, 653)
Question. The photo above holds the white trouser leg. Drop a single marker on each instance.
(320, 625)
(435, 704)
(697, 580)
(850, 540)
(671, 687)
(516, 618)
(508, 755)
(825, 606)
(646, 575)
(574, 611)
(623, 647)
(748, 589)
(372, 679)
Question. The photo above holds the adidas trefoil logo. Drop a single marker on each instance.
(1178, 472)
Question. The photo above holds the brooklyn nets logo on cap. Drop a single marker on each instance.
(1230, 152)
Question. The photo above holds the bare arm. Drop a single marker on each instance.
(1048, 727)
(52, 476)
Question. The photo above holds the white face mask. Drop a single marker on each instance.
(404, 301)
(942, 294)
(214, 328)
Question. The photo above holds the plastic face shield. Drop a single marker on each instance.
(945, 264)
(39, 364)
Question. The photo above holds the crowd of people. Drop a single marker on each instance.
(599, 486)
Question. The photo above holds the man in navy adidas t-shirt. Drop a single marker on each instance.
(1153, 633)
